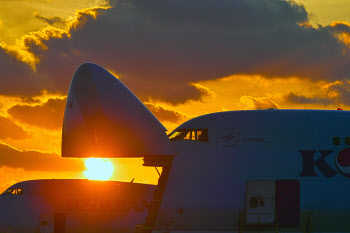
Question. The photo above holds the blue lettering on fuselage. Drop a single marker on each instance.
(309, 163)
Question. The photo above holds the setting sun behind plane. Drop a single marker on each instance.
(98, 169)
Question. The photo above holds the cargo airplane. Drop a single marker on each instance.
(73, 206)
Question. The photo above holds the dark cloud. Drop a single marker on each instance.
(336, 93)
(164, 114)
(37, 161)
(160, 47)
(11, 130)
(48, 115)
(340, 27)
(342, 90)
(51, 20)
(29, 99)
(17, 78)
(301, 99)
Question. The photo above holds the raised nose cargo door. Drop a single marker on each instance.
(103, 118)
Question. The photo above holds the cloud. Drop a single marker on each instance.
(48, 115)
(341, 31)
(340, 27)
(37, 161)
(17, 77)
(52, 20)
(205, 92)
(174, 43)
(337, 93)
(24, 48)
(251, 103)
(160, 47)
(340, 92)
(164, 114)
(301, 99)
(9, 129)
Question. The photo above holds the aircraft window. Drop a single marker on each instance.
(176, 135)
(9, 191)
(190, 135)
(18, 191)
(202, 135)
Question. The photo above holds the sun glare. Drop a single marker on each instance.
(98, 169)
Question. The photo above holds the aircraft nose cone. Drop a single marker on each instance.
(103, 118)
(343, 157)
(90, 76)
(83, 77)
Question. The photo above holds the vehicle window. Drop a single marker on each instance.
(20, 191)
(175, 135)
(178, 134)
(190, 135)
(13, 191)
(202, 135)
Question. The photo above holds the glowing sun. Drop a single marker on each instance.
(98, 169)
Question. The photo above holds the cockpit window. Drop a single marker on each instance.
(177, 135)
(202, 135)
(13, 191)
(189, 134)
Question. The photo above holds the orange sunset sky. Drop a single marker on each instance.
(182, 58)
